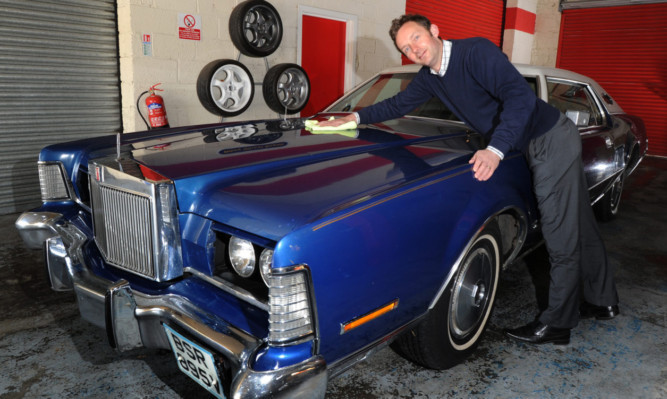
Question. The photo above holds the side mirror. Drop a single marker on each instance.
(580, 118)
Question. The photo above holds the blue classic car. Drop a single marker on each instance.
(270, 259)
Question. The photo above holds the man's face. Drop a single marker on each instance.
(419, 44)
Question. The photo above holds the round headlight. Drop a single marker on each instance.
(242, 256)
(265, 261)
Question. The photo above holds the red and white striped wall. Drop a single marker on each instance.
(519, 32)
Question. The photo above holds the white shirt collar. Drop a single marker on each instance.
(446, 52)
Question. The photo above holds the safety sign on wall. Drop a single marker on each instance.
(189, 26)
(147, 43)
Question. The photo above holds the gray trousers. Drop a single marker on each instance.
(576, 251)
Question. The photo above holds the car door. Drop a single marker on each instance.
(599, 144)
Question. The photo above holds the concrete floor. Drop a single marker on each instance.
(48, 351)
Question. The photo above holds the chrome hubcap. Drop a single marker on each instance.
(470, 295)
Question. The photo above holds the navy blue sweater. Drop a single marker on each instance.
(483, 89)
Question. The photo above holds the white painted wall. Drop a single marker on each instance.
(176, 63)
(547, 33)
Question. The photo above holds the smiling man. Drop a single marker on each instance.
(482, 88)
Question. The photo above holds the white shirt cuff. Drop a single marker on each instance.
(356, 115)
(496, 151)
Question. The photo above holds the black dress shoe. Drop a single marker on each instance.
(587, 310)
(538, 333)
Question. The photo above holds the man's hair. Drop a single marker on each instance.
(397, 23)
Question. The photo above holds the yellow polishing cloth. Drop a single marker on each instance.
(313, 126)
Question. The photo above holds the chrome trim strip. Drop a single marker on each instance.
(628, 172)
(608, 182)
(591, 91)
(228, 288)
(342, 365)
(465, 169)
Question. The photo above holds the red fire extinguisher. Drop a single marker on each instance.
(157, 114)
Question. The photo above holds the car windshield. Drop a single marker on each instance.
(385, 86)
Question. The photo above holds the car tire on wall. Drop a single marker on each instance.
(255, 28)
(225, 87)
(451, 331)
(286, 88)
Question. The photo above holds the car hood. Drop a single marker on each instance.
(270, 177)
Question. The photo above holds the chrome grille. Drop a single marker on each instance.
(135, 221)
(124, 229)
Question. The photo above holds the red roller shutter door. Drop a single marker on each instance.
(624, 48)
(461, 19)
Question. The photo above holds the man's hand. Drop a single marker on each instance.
(338, 121)
(484, 163)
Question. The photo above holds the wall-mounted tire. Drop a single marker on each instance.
(225, 87)
(255, 28)
(286, 88)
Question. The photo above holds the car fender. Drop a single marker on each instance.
(401, 245)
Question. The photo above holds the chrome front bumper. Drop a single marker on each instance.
(133, 319)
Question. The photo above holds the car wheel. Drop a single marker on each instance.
(255, 28)
(607, 207)
(451, 331)
(225, 87)
(286, 88)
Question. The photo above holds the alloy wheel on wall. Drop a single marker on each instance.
(286, 88)
(225, 87)
(255, 28)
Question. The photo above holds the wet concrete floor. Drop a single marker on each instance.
(48, 351)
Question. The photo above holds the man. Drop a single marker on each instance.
(479, 84)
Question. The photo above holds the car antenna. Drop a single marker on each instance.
(120, 166)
